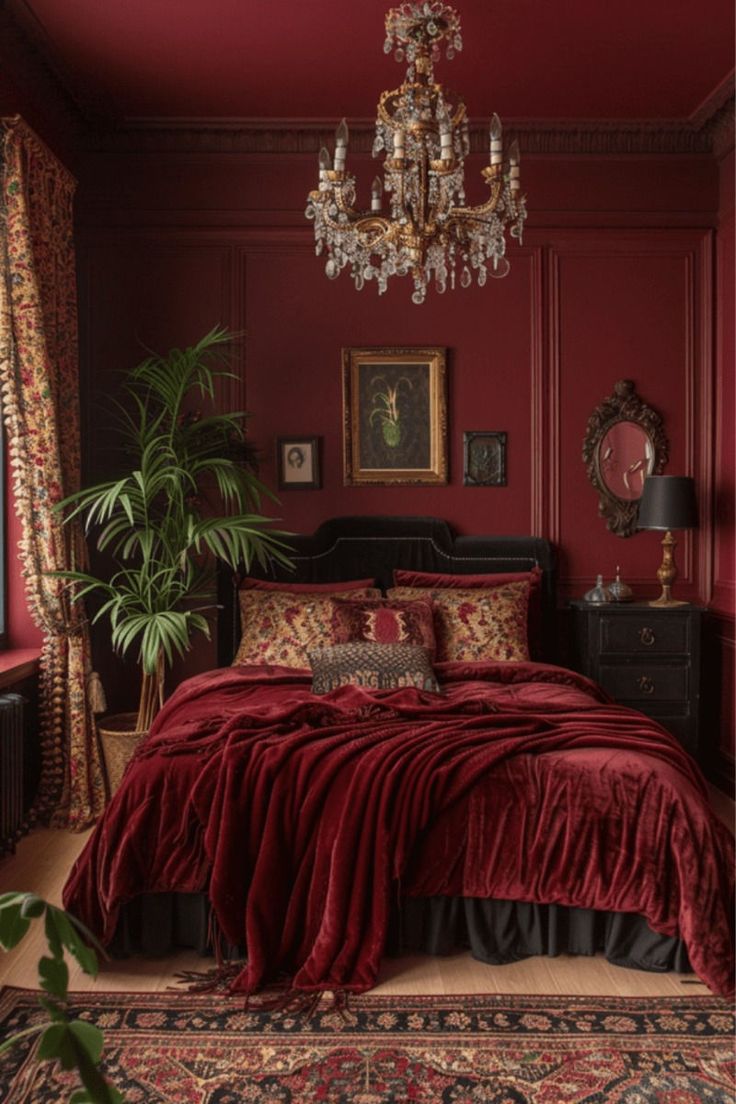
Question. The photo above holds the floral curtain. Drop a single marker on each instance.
(40, 396)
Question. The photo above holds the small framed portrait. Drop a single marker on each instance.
(298, 463)
(394, 416)
(485, 458)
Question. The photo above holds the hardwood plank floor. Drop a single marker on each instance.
(43, 860)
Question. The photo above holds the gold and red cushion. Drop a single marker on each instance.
(281, 627)
(476, 624)
(432, 580)
(383, 621)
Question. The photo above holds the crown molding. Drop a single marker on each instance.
(714, 117)
(720, 130)
(47, 104)
(591, 137)
(713, 102)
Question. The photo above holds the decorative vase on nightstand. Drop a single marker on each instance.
(598, 594)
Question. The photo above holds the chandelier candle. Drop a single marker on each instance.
(428, 232)
(341, 146)
(496, 142)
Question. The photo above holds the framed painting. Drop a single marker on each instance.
(394, 416)
(485, 458)
(298, 463)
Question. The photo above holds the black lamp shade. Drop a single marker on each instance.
(668, 502)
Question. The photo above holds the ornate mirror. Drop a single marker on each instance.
(624, 443)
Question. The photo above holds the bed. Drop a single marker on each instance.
(516, 811)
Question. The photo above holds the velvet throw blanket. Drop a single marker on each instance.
(303, 814)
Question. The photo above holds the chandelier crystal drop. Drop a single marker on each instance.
(427, 230)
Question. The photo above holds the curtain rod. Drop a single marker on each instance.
(10, 121)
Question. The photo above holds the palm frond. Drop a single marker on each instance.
(188, 495)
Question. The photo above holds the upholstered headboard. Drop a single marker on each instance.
(371, 547)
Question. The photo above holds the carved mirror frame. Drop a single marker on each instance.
(624, 405)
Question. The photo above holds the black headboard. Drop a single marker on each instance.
(367, 547)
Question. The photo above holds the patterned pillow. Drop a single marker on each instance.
(383, 622)
(372, 666)
(434, 580)
(477, 624)
(281, 626)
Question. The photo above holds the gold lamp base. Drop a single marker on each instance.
(667, 573)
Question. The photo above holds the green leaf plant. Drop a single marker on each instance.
(190, 497)
(74, 1044)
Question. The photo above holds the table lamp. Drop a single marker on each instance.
(668, 502)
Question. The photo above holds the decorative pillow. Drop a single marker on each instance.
(477, 624)
(434, 581)
(249, 583)
(383, 622)
(281, 626)
(373, 666)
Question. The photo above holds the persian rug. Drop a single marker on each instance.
(172, 1048)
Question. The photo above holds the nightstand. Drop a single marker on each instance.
(644, 657)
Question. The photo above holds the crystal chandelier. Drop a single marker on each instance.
(423, 130)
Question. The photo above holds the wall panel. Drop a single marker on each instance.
(140, 294)
(626, 306)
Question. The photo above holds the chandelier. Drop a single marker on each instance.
(428, 230)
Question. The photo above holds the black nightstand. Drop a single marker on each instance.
(645, 657)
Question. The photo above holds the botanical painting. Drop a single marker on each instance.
(395, 418)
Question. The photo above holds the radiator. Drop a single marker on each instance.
(11, 768)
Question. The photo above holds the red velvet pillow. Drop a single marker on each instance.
(248, 583)
(437, 581)
(383, 621)
(433, 580)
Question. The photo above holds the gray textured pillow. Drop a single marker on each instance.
(373, 666)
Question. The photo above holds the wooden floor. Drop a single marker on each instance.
(44, 858)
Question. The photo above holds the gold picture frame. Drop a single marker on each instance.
(394, 416)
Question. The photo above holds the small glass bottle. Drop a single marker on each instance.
(620, 591)
(598, 594)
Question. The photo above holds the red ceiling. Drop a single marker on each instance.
(531, 59)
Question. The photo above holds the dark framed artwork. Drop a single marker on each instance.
(394, 416)
(297, 460)
(484, 458)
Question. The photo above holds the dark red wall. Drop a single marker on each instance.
(725, 585)
(723, 649)
(615, 279)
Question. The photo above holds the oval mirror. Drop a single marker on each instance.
(624, 443)
(625, 459)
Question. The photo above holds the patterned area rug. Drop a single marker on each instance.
(167, 1048)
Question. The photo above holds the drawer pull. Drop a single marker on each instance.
(646, 636)
(646, 684)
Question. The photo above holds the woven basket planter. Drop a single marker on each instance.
(119, 739)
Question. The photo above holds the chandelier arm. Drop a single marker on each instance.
(360, 222)
(488, 207)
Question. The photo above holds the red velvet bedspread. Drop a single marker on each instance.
(302, 814)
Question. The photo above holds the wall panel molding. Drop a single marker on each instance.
(592, 137)
(539, 395)
(694, 250)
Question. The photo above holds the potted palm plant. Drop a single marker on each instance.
(189, 496)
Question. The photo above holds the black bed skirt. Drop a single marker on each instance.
(496, 932)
